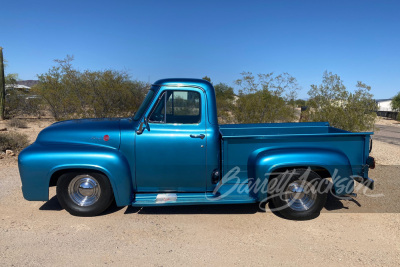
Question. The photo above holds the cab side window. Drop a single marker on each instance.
(182, 107)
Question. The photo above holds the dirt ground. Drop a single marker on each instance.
(362, 232)
(387, 121)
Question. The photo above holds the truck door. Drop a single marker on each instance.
(171, 154)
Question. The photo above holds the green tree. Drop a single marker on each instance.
(267, 98)
(330, 101)
(396, 102)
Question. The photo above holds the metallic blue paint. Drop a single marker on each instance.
(38, 162)
(164, 158)
(259, 149)
(262, 163)
(84, 131)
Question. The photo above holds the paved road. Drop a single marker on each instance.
(388, 134)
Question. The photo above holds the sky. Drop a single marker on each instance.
(151, 40)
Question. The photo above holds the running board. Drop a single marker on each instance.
(169, 199)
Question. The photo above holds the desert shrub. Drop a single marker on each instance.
(14, 141)
(70, 93)
(332, 102)
(225, 102)
(17, 123)
(267, 98)
(225, 98)
(22, 104)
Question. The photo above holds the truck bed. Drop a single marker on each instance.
(240, 140)
(268, 129)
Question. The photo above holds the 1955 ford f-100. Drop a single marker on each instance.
(173, 152)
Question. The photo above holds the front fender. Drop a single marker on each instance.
(263, 162)
(38, 162)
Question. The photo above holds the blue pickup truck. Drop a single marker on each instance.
(173, 152)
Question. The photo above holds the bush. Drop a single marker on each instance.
(13, 141)
(17, 123)
(225, 102)
(331, 102)
(70, 93)
(20, 102)
(270, 98)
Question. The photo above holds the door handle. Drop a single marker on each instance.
(201, 136)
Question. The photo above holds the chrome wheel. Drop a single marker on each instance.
(84, 190)
(300, 195)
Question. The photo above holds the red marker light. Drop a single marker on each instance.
(106, 138)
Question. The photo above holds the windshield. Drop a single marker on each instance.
(144, 104)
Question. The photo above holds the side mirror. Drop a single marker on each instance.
(143, 125)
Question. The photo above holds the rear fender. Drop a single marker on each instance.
(263, 162)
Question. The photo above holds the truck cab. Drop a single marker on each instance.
(180, 125)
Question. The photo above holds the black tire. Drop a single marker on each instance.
(102, 200)
(285, 189)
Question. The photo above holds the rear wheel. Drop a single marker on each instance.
(84, 193)
(298, 194)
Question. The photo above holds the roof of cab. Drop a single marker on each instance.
(207, 86)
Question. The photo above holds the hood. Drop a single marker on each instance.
(104, 132)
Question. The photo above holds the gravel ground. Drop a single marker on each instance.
(386, 142)
(388, 134)
(361, 232)
(385, 153)
(41, 233)
(387, 121)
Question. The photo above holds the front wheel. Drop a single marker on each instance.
(84, 193)
(298, 194)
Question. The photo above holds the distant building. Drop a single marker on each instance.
(22, 88)
(22, 85)
(18, 87)
(384, 104)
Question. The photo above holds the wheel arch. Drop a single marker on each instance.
(41, 163)
(325, 162)
(119, 190)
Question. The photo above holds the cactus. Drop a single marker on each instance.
(2, 86)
